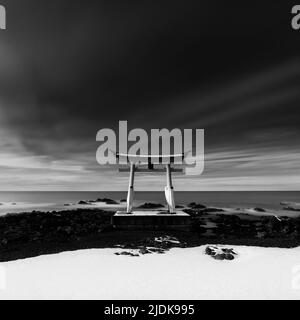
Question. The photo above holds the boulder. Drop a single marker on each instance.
(261, 235)
(220, 253)
(224, 256)
(145, 251)
(291, 209)
(219, 256)
(229, 256)
(259, 209)
(228, 251)
(210, 251)
(107, 201)
(208, 210)
(127, 253)
(83, 202)
(195, 205)
(149, 205)
(157, 250)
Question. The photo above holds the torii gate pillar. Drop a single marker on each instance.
(130, 193)
(169, 190)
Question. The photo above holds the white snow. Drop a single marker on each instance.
(257, 273)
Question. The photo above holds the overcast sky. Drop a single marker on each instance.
(70, 68)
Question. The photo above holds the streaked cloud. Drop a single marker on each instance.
(65, 74)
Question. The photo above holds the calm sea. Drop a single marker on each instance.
(45, 201)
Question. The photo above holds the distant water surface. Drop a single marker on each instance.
(14, 202)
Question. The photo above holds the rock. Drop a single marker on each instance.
(129, 245)
(68, 230)
(229, 256)
(294, 235)
(127, 253)
(220, 253)
(144, 251)
(4, 241)
(83, 202)
(53, 226)
(149, 205)
(195, 205)
(134, 255)
(224, 256)
(190, 212)
(291, 209)
(229, 251)
(107, 201)
(167, 240)
(290, 204)
(210, 251)
(123, 253)
(219, 256)
(157, 250)
(208, 210)
(259, 209)
(261, 235)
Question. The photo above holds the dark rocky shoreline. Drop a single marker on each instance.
(35, 233)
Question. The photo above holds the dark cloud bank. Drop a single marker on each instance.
(70, 68)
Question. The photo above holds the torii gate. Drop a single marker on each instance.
(136, 165)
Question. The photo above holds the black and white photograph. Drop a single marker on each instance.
(149, 151)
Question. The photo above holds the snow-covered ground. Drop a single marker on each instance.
(257, 273)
